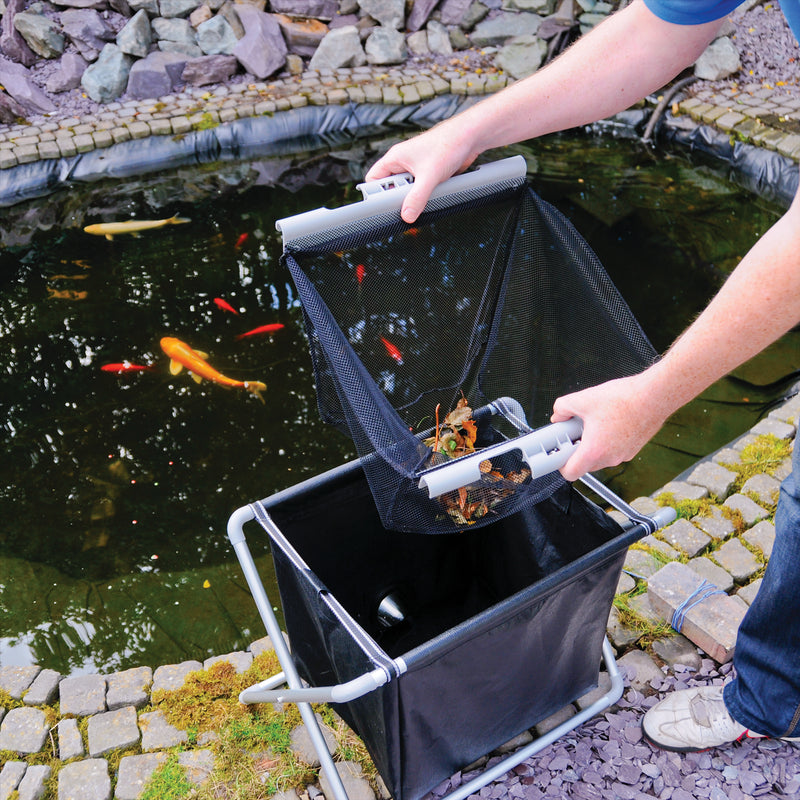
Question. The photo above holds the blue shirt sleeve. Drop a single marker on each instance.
(691, 12)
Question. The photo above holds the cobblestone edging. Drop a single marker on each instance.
(115, 706)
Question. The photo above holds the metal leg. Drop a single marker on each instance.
(292, 678)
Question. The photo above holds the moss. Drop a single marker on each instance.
(168, 782)
(8, 702)
(764, 455)
(205, 122)
(648, 630)
(686, 509)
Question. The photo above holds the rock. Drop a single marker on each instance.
(417, 43)
(541, 7)
(201, 14)
(85, 780)
(12, 45)
(23, 730)
(228, 12)
(44, 688)
(355, 784)
(340, 48)
(453, 11)
(439, 39)
(522, 56)
(641, 669)
(176, 8)
(177, 31)
(112, 730)
(390, 13)
(10, 776)
(302, 36)
(209, 69)
(87, 30)
(262, 49)
(33, 785)
(98, 5)
(15, 681)
(130, 686)
(506, 25)
(40, 33)
(319, 9)
(107, 78)
(17, 82)
(169, 677)
(156, 75)
(719, 60)
(134, 772)
(70, 743)
(386, 46)
(216, 37)
(68, 77)
(157, 733)
(150, 6)
(137, 35)
(302, 746)
(419, 14)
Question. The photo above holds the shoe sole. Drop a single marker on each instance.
(746, 735)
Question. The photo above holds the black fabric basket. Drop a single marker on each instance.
(485, 297)
(503, 626)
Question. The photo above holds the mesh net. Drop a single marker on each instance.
(493, 297)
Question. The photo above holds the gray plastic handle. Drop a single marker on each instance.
(545, 450)
(385, 196)
(265, 692)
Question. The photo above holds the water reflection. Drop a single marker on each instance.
(115, 488)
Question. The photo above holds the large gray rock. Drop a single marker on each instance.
(317, 9)
(390, 13)
(419, 14)
(87, 30)
(12, 45)
(150, 6)
(302, 36)
(40, 33)
(209, 69)
(174, 30)
(215, 36)
(438, 39)
(18, 83)
(262, 50)
(498, 30)
(106, 79)
(177, 8)
(157, 74)
(340, 48)
(137, 35)
(719, 60)
(385, 46)
(522, 56)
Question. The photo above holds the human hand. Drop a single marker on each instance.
(619, 418)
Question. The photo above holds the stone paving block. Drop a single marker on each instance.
(677, 650)
(750, 510)
(157, 733)
(513, 744)
(715, 524)
(711, 624)
(554, 720)
(129, 688)
(83, 142)
(618, 634)
(591, 697)
(748, 593)
(302, 746)
(170, 677)
(729, 120)
(737, 560)
(44, 688)
(33, 785)
(134, 772)
(240, 661)
(82, 695)
(712, 572)
(70, 743)
(640, 563)
(681, 490)
(355, 784)
(664, 548)
(744, 441)
(112, 730)
(645, 505)
(788, 411)
(641, 605)
(686, 537)
(10, 776)
(718, 480)
(727, 456)
(774, 427)
(641, 669)
(761, 536)
(625, 584)
(764, 487)
(85, 780)
(16, 680)
(782, 471)
(198, 765)
(23, 730)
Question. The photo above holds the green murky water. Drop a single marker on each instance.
(115, 488)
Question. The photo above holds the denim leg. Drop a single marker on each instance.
(765, 695)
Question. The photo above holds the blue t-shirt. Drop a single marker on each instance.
(695, 12)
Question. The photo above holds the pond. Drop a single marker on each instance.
(116, 486)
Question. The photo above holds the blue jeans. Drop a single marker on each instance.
(765, 694)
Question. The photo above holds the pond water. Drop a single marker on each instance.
(115, 487)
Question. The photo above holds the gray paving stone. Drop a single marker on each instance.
(112, 730)
(737, 560)
(641, 669)
(172, 676)
(625, 584)
(10, 776)
(85, 780)
(157, 733)
(621, 636)
(34, 784)
(748, 593)
(129, 688)
(677, 650)
(663, 548)
(681, 490)
(686, 537)
(764, 487)
(707, 569)
(761, 536)
(198, 765)
(640, 563)
(774, 427)
(23, 730)
(70, 743)
(591, 697)
(302, 746)
(715, 524)
(82, 695)
(788, 411)
(355, 784)
(15, 680)
(44, 688)
(241, 661)
(134, 772)
(713, 477)
(551, 722)
(750, 510)
(641, 605)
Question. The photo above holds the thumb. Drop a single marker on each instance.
(416, 199)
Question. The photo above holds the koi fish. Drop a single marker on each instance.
(271, 328)
(392, 351)
(126, 366)
(240, 241)
(131, 226)
(181, 355)
(411, 232)
(361, 271)
(224, 305)
(65, 294)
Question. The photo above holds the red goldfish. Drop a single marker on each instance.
(224, 305)
(271, 328)
(361, 271)
(126, 366)
(240, 241)
(181, 355)
(392, 351)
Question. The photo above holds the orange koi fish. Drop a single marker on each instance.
(181, 355)
(224, 305)
(240, 241)
(361, 271)
(65, 294)
(271, 328)
(393, 351)
(126, 366)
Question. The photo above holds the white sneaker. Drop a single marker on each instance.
(693, 719)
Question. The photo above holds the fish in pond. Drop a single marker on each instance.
(125, 366)
(181, 355)
(224, 305)
(271, 328)
(131, 226)
(392, 351)
(240, 241)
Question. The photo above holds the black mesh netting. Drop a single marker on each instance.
(494, 297)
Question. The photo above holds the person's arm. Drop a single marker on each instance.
(625, 58)
(758, 303)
